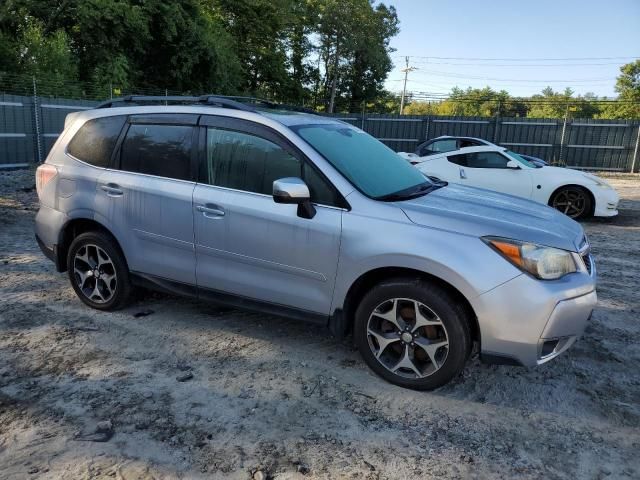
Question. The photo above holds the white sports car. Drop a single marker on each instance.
(575, 193)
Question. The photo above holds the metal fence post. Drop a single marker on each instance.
(426, 133)
(635, 151)
(36, 120)
(564, 129)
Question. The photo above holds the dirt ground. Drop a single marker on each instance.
(91, 395)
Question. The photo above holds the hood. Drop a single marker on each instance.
(480, 212)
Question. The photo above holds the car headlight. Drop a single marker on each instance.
(598, 181)
(545, 263)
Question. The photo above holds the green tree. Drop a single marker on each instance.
(354, 49)
(551, 104)
(33, 52)
(258, 29)
(628, 89)
(370, 63)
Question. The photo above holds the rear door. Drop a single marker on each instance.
(147, 197)
(248, 245)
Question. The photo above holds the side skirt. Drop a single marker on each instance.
(222, 298)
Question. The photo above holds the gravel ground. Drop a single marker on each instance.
(194, 391)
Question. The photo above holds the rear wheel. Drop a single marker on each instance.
(412, 333)
(573, 201)
(98, 271)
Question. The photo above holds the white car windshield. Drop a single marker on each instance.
(518, 158)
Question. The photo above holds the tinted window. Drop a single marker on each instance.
(368, 164)
(458, 159)
(162, 150)
(464, 142)
(247, 162)
(443, 146)
(480, 160)
(96, 139)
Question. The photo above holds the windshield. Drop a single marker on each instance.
(518, 158)
(372, 167)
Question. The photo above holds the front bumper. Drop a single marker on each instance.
(528, 322)
(606, 203)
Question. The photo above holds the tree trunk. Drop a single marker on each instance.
(334, 82)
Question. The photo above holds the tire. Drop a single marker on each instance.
(446, 322)
(95, 258)
(572, 200)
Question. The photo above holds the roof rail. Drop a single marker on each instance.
(261, 102)
(137, 99)
(179, 99)
(223, 101)
(247, 104)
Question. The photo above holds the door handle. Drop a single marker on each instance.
(210, 210)
(112, 189)
(463, 174)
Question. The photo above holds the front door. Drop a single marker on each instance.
(248, 245)
(489, 170)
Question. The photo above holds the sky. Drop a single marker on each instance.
(463, 31)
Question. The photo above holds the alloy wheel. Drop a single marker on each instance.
(570, 201)
(94, 273)
(407, 338)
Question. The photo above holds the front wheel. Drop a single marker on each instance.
(413, 333)
(573, 201)
(98, 271)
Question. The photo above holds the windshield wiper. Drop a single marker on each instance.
(412, 192)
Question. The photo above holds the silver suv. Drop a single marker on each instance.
(307, 217)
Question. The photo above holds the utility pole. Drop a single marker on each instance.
(406, 71)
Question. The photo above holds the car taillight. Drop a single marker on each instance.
(44, 174)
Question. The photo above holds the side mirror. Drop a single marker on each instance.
(513, 165)
(292, 190)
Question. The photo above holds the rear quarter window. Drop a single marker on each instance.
(96, 139)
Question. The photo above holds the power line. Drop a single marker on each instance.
(474, 84)
(524, 59)
(518, 65)
(438, 97)
(475, 77)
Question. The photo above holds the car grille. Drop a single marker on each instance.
(586, 258)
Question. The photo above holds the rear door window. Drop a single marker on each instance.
(96, 139)
(160, 150)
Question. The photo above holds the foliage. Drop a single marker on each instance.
(354, 48)
(35, 52)
(485, 102)
(628, 88)
(331, 55)
(271, 48)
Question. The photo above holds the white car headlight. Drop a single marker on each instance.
(545, 263)
(598, 181)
